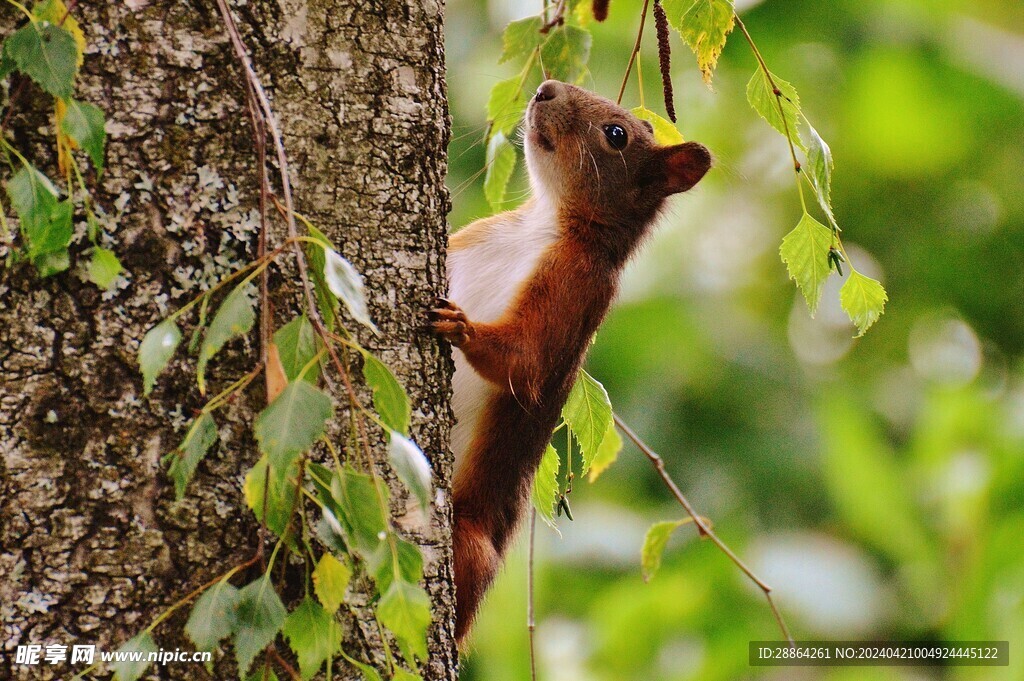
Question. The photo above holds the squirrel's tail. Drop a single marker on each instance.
(492, 493)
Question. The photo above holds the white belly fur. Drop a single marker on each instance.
(484, 277)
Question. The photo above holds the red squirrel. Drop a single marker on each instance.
(527, 290)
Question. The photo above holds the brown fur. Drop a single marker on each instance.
(606, 201)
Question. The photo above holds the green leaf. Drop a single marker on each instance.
(313, 634)
(389, 397)
(565, 53)
(55, 11)
(7, 65)
(369, 673)
(190, 452)
(763, 99)
(235, 317)
(588, 411)
(212, 616)
(654, 545)
(402, 675)
(45, 222)
(361, 503)
(131, 671)
(156, 350)
(819, 171)
(104, 267)
(411, 467)
(545, 485)
(409, 564)
(665, 132)
(405, 610)
(258, 618)
(325, 300)
(330, 580)
(85, 124)
(505, 105)
(704, 26)
(863, 299)
(501, 163)
(292, 423)
(521, 37)
(347, 286)
(607, 452)
(296, 347)
(281, 495)
(48, 54)
(805, 252)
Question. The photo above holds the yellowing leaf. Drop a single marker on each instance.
(104, 267)
(330, 579)
(665, 132)
(276, 379)
(805, 252)
(704, 25)
(863, 299)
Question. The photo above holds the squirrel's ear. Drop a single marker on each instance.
(684, 165)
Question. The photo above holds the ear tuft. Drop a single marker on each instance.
(684, 165)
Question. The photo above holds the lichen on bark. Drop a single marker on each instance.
(92, 543)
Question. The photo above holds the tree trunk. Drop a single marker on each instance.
(93, 545)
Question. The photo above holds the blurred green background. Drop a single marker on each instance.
(877, 484)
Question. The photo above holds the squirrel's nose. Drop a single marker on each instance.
(548, 90)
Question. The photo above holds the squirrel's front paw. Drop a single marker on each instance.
(449, 322)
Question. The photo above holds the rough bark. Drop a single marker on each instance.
(92, 543)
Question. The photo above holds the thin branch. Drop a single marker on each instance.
(778, 101)
(282, 158)
(636, 50)
(531, 623)
(701, 523)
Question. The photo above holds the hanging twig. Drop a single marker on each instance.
(701, 523)
(636, 50)
(531, 623)
(256, 88)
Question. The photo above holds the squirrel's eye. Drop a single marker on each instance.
(616, 136)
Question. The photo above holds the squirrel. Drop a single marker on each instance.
(527, 290)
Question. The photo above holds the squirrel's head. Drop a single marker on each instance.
(590, 156)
